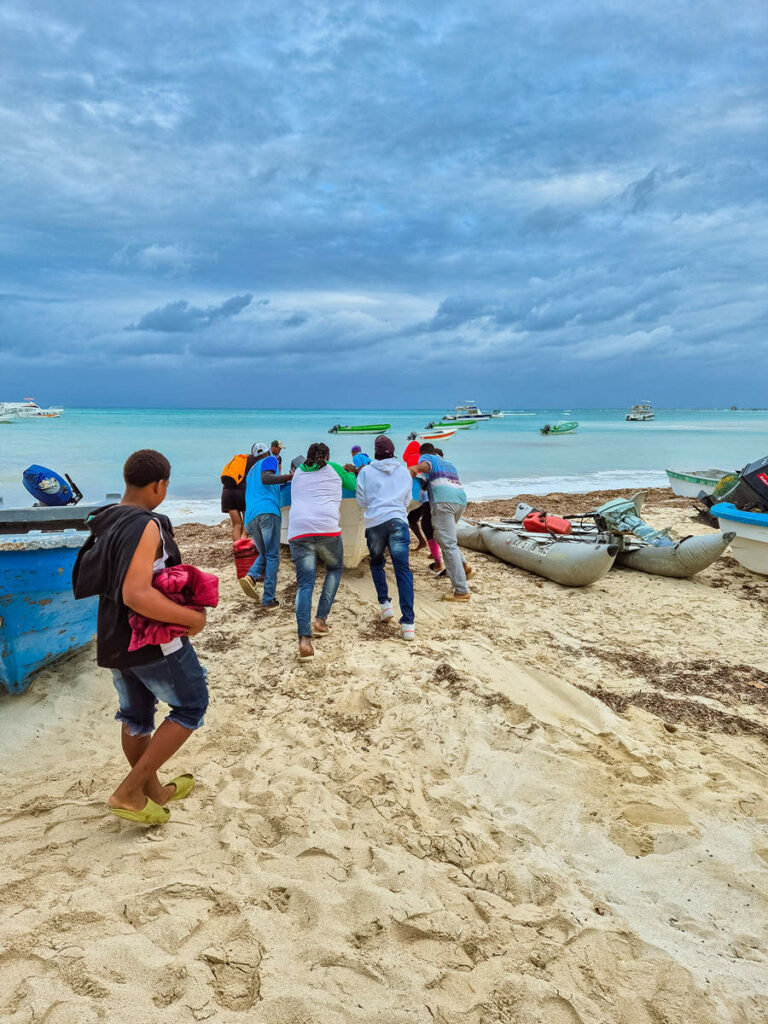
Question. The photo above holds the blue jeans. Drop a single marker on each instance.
(178, 680)
(306, 552)
(264, 531)
(393, 536)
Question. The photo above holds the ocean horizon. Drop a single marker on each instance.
(496, 459)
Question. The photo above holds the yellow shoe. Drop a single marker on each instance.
(184, 785)
(150, 814)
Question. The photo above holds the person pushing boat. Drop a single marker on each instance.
(447, 501)
(263, 517)
(384, 493)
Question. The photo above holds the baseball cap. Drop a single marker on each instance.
(384, 447)
(278, 443)
(259, 448)
(356, 448)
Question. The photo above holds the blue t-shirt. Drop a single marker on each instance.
(360, 459)
(261, 498)
(442, 481)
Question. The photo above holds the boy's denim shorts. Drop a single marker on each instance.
(178, 680)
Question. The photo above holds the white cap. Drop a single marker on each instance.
(259, 448)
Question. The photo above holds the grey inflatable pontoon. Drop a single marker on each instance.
(572, 561)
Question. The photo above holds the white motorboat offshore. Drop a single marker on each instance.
(692, 483)
(28, 409)
(750, 545)
(466, 411)
(640, 413)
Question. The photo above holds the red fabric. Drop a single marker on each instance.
(411, 454)
(183, 584)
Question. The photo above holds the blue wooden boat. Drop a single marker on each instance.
(40, 621)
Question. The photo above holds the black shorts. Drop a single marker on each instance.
(232, 500)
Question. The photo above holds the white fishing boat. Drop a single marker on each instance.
(640, 413)
(693, 482)
(466, 411)
(28, 409)
(750, 545)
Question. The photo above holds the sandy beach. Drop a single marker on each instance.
(551, 808)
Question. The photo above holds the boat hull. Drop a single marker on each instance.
(569, 563)
(750, 542)
(691, 485)
(678, 561)
(40, 621)
(369, 428)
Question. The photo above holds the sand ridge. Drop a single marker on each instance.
(451, 830)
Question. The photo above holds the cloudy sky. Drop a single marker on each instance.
(383, 204)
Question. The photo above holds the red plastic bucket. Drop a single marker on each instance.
(246, 553)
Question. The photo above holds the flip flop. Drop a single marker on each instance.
(184, 785)
(150, 814)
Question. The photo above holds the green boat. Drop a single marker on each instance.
(367, 428)
(559, 428)
(458, 424)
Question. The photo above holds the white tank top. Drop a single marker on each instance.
(158, 566)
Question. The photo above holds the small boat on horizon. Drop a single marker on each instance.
(466, 412)
(640, 413)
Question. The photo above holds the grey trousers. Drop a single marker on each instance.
(444, 518)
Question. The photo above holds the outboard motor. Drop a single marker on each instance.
(750, 492)
(621, 516)
(48, 488)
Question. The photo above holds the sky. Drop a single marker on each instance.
(375, 205)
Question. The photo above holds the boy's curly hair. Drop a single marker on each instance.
(146, 466)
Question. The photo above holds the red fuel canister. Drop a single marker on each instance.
(540, 522)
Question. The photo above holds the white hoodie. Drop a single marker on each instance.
(384, 491)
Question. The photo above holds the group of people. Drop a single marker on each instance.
(385, 487)
(131, 545)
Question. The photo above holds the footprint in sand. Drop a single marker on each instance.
(235, 968)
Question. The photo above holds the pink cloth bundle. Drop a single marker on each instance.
(183, 584)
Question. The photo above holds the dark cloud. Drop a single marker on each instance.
(410, 181)
(181, 317)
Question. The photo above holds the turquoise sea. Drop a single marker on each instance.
(498, 458)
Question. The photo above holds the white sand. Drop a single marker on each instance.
(448, 831)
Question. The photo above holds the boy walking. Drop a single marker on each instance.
(129, 542)
(384, 493)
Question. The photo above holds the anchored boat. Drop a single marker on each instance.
(367, 428)
(559, 428)
(440, 435)
(640, 413)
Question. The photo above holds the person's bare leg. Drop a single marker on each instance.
(133, 748)
(238, 531)
(162, 745)
(306, 650)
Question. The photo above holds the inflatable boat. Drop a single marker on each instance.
(570, 560)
